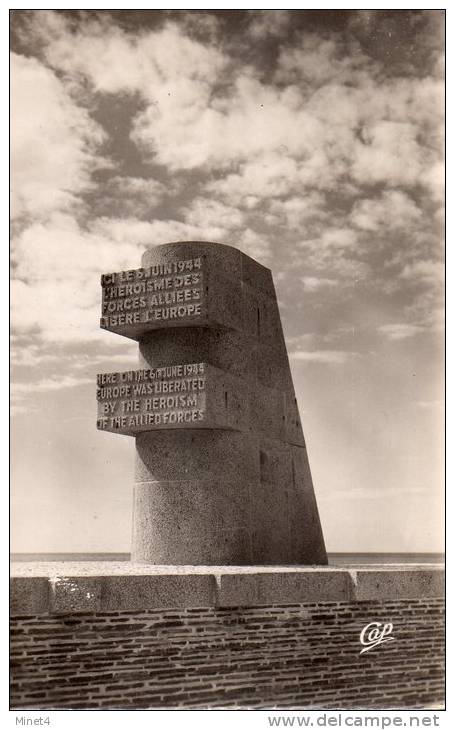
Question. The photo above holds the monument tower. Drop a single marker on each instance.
(222, 472)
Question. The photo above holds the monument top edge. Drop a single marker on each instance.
(193, 247)
(193, 242)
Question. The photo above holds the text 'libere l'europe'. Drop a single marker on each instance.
(167, 291)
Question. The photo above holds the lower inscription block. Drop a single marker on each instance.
(190, 395)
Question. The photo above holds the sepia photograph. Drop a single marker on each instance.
(227, 351)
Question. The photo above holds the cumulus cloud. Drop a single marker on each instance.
(314, 283)
(393, 209)
(55, 291)
(399, 330)
(155, 63)
(32, 355)
(126, 230)
(266, 23)
(426, 271)
(22, 391)
(40, 386)
(270, 176)
(254, 245)
(207, 213)
(252, 120)
(424, 278)
(426, 308)
(131, 196)
(321, 154)
(194, 95)
(54, 142)
(330, 357)
(300, 341)
(333, 239)
(200, 25)
(389, 152)
(319, 60)
(335, 250)
(62, 251)
(295, 212)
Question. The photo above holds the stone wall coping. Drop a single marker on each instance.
(87, 587)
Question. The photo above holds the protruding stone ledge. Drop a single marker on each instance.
(29, 595)
(372, 585)
(66, 588)
(258, 589)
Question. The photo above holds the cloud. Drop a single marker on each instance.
(123, 231)
(427, 271)
(31, 352)
(335, 251)
(207, 213)
(57, 263)
(430, 404)
(41, 386)
(266, 23)
(17, 409)
(296, 212)
(389, 152)
(152, 62)
(259, 161)
(55, 291)
(379, 493)
(394, 209)
(108, 359)
(29, 355)
(314, 283)
(209, 228)
(333, 239)
(269, 176)
(254, 245)
(61, 312)
(22, 391)
(425, 279)
(280, 133)
(129, 196)
(228, 224)
(54, 142)
(330, 357)
(61, 250)
(319, 60)
(433, 177)
(399, 330)
(427, 309)
(200, 25)
(252, 119)
(298, 342)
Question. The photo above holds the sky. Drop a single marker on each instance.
(312, 141)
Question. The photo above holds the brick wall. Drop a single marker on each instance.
(287, 656)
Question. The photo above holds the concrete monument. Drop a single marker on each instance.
(222, 472)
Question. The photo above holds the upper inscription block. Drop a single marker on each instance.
(161, 295)
(188, 285)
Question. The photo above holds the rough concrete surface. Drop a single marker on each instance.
(86, 587)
